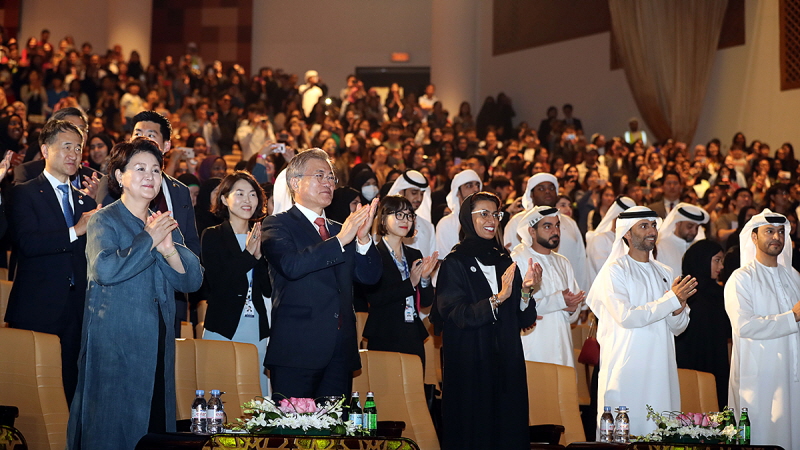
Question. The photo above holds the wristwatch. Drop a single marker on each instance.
(495, 301)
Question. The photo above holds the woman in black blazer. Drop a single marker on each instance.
(393, 324)
(236, 271)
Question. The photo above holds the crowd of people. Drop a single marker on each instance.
(303, 205)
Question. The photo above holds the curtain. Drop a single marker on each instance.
(667, 49)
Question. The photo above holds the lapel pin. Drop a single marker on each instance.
(80, 201)
(473, 269)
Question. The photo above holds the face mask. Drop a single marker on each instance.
(369, 192)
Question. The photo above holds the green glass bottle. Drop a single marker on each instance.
(370, 415)
(731, 420)
(744, 428)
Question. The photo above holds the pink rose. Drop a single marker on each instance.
(698, 418)
(306, 405)
(297, 405)
(684, 419)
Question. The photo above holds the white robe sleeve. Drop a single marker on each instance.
(739, 294)
(549, 303)
(629, 316)
(677, 324)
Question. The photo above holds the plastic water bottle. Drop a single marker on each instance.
(215, 413)
(199, 413)
(744, 428)
(356, 414)
(622, 426)
(607, 425)
(370, 415)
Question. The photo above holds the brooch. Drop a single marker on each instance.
(473, 269)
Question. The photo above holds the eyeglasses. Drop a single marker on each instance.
(400, 215)
(485, 214)
(322, 178)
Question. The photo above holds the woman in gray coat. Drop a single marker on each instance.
(136, 262)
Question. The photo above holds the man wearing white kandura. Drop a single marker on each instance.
(640, 309)
(761, 301)
(558, 297)
(681, 229)
(542, 190)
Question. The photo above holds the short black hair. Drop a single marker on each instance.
(53, 128)
(389, 205)
(499, 181)
(739, 191)
(226, 186)
(121, 155)
(70, 111)
(481, 159)
(152, 116)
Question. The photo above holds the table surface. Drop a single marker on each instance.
(165, 441)
(666, 446)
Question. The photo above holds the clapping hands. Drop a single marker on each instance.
(422, 268)
(160, 226)
(358, 224)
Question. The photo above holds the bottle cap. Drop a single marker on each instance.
(199, 392)
(606, 408)
(355, 394)
(370, 394)
(623, 408)
(744, 409)
(215, 392)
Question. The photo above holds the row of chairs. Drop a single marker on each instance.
(30, 378)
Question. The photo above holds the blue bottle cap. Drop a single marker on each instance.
(606, 408)
(215, 392)
(621, 408)
(199, 392)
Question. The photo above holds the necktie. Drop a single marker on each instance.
(323, 232)
(671, 205)
(65, 206)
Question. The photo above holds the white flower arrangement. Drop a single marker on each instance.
(295, 413)
(673, 426)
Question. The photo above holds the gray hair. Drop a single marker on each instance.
(297, 166)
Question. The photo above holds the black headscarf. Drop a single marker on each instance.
(697, 263)
(489, 252)
(202, 210)
(6, 142)
(339, 208)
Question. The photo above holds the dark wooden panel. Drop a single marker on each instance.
(178, 22)
(521, 24)
(790, 44)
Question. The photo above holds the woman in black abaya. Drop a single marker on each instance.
(480, 290)
(704, 344)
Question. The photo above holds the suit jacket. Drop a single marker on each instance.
(387, 302)
(312, 291)
(182, 209)
(47, 260)
(32, 169)
(226, 273)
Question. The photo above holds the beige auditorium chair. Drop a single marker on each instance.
(433, 356)
(30, 379)
(579, 334)
(698, 391)
(361, 322)
(553, 399)
(396, 380)
(231, 367)
(5, 292)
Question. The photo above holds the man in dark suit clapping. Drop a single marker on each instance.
(312, 262)
(49, 218)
